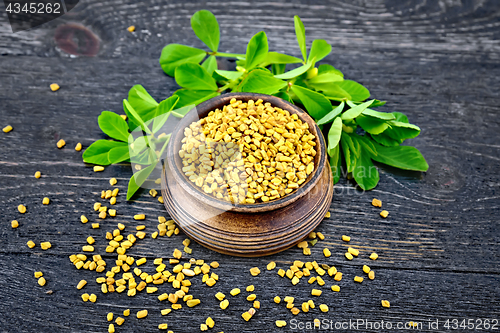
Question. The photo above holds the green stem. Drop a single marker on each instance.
(224, 87)
(227, 55)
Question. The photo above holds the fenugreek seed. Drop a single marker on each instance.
(177, 254)
(21, 209)
(84, 219)
(386, 304)
(142, 314)
(98, 168)
(85, 297)
(31, 244)
(371, 275)
(113, 181)
(112, 212)
(271, 266)
(320, 235)
(112, 201)
(295, 311)
(41, 281)
(348, 256)
(335, 288)
(97, 205)
(114, 193)
(139, 217)
(119, 321)
(373, 256)
(203, 327)
(353, 251)
(214, 264)
(160, 199)
(165, 312)
(338, 276)
(193, 302)
(61, 143)
(87, 248)
(250, 288)
(327, 215)
(316, 292)
(251, 297)
(141, 261)
(224, 304)
(38, 174)
(176, 306)
(7, 129)
(131, 28)
(366, 269)
(45, 245)
(54, 86)
(384, 213)
(163, 326)
(358, 279)
(126, 312)
(210, 322)
(235, 291)
(109, 317)
(254, 271)
(323, 307)
(277, 299)
(376, 202)
(78, 146)
(14, 224)
(327, 253)
(320, 281)
(346, 238)
(38, 274)
(280, 323)
(81, 284)
(306, 251)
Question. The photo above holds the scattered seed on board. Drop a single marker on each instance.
(131, 28)
(113, 181)
(21, 209)
(386, 304)
(61, 143)
(38, 274)
(376, 202)
(280, 323)
(326, 252)
(45, 201)
(81, 284)
(384, 213)
(42, 281)
(373, 256)
(54, 87)
(78, 146)
(254, 271)
(142, 314)
(353, 251)
(327, 215)
(371, 275)
(45, 245)
(38, 174)
(346, 238)
(98, 168)
(348, 256)
(335, 288)
(14, 224)
(7, 129)
(358, 279)
(139, 217)
(109, 317)
(31, 244)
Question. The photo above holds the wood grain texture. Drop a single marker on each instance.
(436, 61)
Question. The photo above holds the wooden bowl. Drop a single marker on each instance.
(202, 111)
(248, 230)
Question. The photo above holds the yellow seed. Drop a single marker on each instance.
(114, 193)
(21, 209)
(126, 312)
(371, 275)
(78, 146)
(373, 256)
(109, 316)
(256, 305)
(112, 212)
(153, 192)
(45, 201)
(112, 201)
(95, 225)
(98, 168)
(326, 252)
(376, 202)
(84, 219)
(305, 307)
(214, 264)
(176, 306)
(235, 291)
(90, 240)
(140, 261)
(45, 245)
(302, 245)
(271, 266)
(295, 280)
(142, 314)
(366, 269)
(338, 276)
(246, 316)
(251, 288)
(38, 174)
(251, 297)
(316, 292)
(277, 300)
(386, 304)
(358, 279)
(54, 86)
(14, 224)
(119, 321)
(85, 297)
(38, 274)
(210, 322)
(113, 181)
(87, 248)
(41, 281)
(160, 199)
(384, 213)
(31, 244)
(177, 254)
(131, 28)
(61, 143)
(7, 129)
(165, 312)
(348, 256)
(336, 288)
(193, 302)
(346, 238)
(306, 251)
(320, 235)
(102, 215)
(81, 284)
(163, 326)
(353, 251)
(139, 217)
(280, 323)
(224, 304)
(203, 327)
(323, 307)
(327, 215)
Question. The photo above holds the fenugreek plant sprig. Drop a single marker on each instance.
(356, 133)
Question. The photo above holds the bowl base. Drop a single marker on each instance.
(247, 234)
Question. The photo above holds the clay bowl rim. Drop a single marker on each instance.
(202, 111)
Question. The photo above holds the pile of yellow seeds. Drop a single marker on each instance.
(248, 152)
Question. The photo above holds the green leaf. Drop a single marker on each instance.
(194, 77)
(331, 91)
(284, 95)
(401, 117)
(294, 72)
(118, 154)
(336, 164)
(356, 90)
(334, 135)
(205, 26)
(113, 125)
(138, 179)
(280, 58)
(371, 125)
(402, 157)
(163, 111)
(142, 102)
(300, 32)
(352, 144)
(350, 158)
(97, 153)
(257, 49)
(402, 131)
(377, 102)
(355, 111)
(326, 78)
(326, 68)
(261, 82)
(386, 140)
(181, 112)
(277, 69)
(210, 64)
(365, 173)
(315, 103)
(366, 142)
(173, 55)
(319, 49)
(331, 115)
(230, 75)
(133, 117)
(188, 97)
(373, 113)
